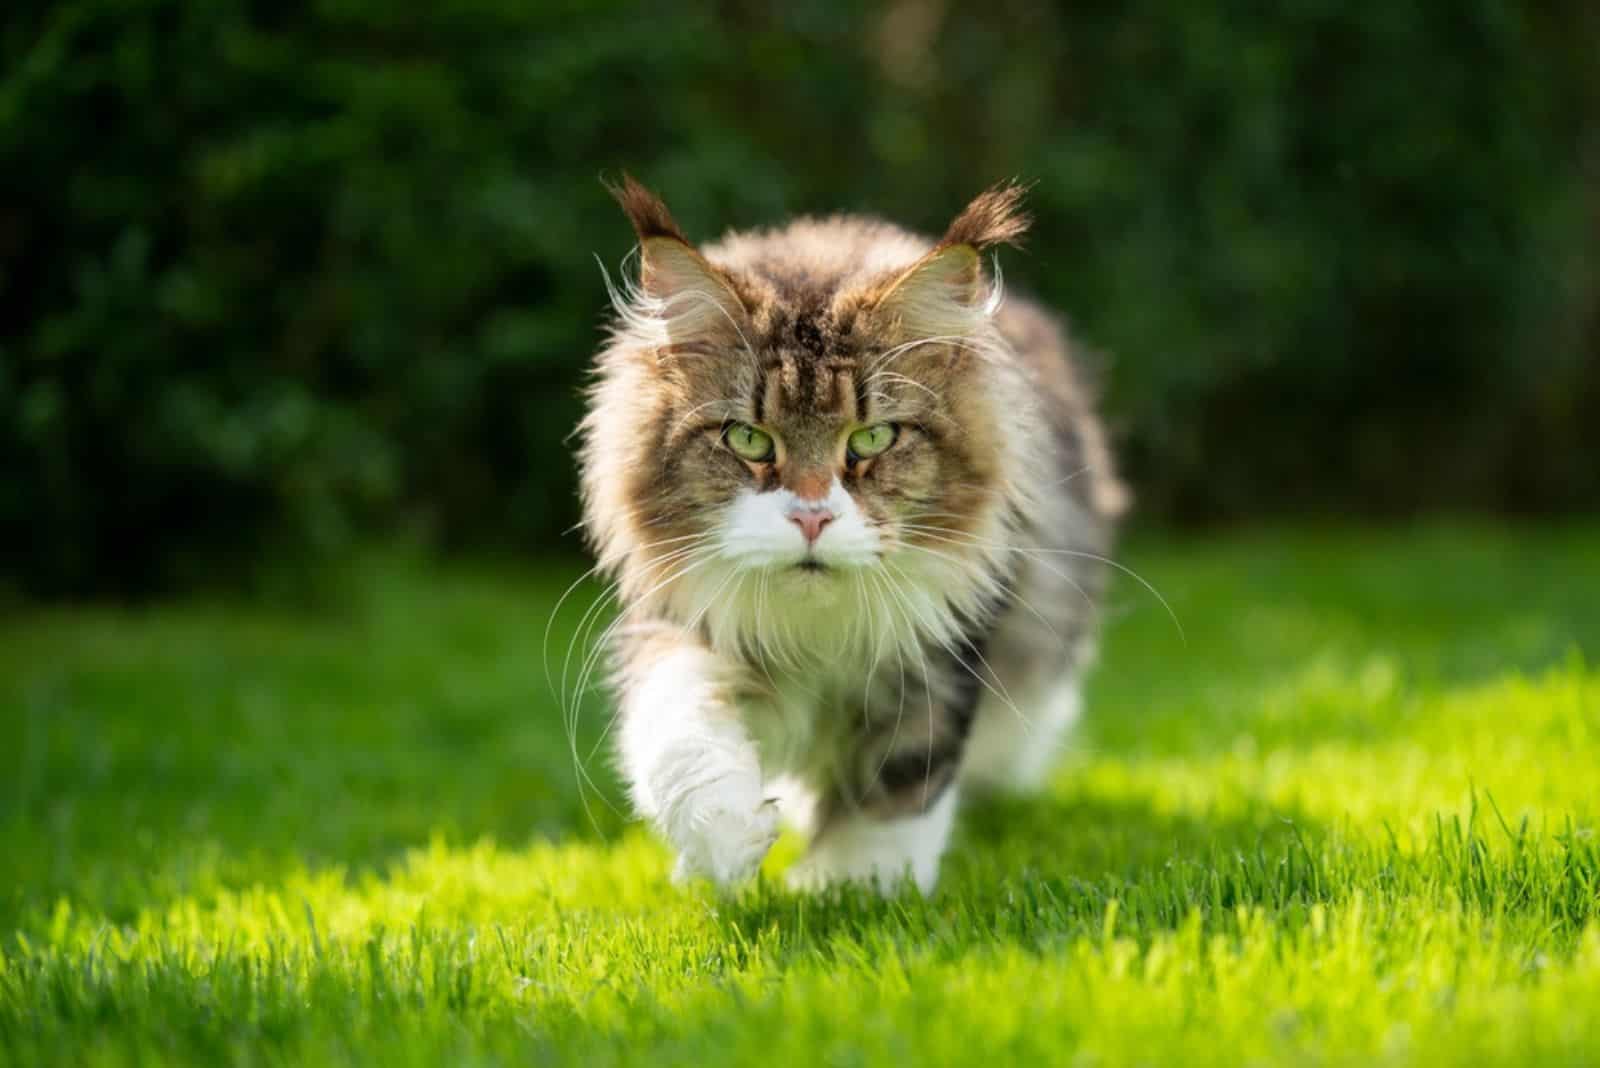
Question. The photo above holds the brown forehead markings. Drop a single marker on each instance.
(821, 387)
(822, 393)
(834, 391)
(789, 377)
(768, 400)
(808, 334)
(845, 393)
(804, 370)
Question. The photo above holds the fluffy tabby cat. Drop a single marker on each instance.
(856, 509)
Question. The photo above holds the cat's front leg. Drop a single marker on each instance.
(692, 768)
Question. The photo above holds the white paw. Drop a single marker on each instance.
(723, 839)
(884, 854)
(818, 872)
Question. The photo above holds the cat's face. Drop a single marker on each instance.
(811, 461)
(818, 437)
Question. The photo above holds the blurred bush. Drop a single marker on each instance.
(276, 275)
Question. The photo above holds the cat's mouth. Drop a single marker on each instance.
(811, 565)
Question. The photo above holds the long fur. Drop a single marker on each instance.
(960, 578)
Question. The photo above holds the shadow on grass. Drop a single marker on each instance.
(1034, 871)
(1037, 873)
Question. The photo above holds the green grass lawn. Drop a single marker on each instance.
(1347, 818)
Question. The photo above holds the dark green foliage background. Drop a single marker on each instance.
(274, 276)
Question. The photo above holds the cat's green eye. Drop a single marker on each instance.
(869, 441)
(748, 442)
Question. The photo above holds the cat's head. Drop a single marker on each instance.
(815, 423)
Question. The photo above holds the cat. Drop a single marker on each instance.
(857, 509)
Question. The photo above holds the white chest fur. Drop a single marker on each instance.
(793, 722)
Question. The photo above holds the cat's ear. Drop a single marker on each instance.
(941, 292)
(694, 293)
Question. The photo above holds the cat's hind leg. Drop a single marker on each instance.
(860, 847)
(890, 820)
(1014, 749)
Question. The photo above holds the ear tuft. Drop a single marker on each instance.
(646, 211)
(995, 217)
(944, 291)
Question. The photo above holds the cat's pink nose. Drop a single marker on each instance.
(811, 521)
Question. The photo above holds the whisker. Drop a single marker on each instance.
(613, 591)
(732, 409)
(606, 730)
(955, 655)
(1005, 586)
(894, 734)
(544, 647)
(1033, 550)
(733, 573)
(895, 376)
(955, 340)
(1088, 600)
(762, 590)
(572, 706)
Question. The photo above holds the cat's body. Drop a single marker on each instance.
(857, 510)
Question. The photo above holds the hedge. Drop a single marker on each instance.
(279, 277)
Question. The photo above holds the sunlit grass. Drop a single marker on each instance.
(1348, 817)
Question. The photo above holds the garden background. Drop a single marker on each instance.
(297, 765)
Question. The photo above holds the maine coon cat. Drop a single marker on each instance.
(857, 507)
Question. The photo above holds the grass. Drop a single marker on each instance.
(1350, 820)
